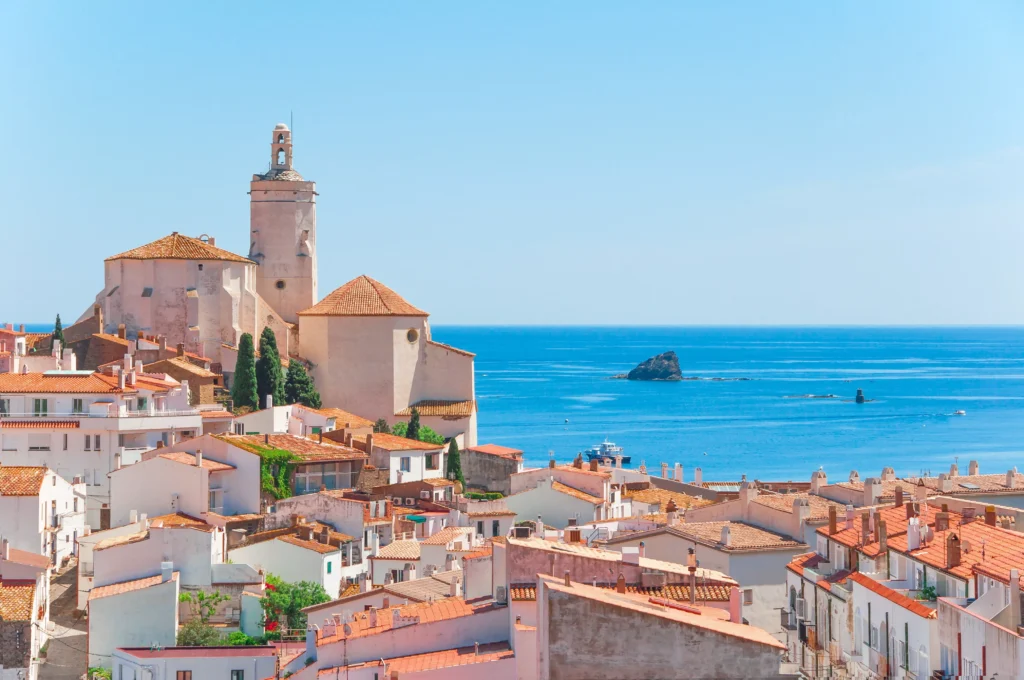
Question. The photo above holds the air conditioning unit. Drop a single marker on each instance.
(425, 494)
(801, 608)
(521, 532)
(410, 501)
(500, 594)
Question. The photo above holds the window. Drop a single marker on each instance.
(480, 527)
(280, 156)
(748, 596)
(5, 408)
(147, 292)
(39, 442)
(239, 428)
(413, 335)
(65, 441)
(8, 443)
(237, 675)
(184, 675)
(88, 439)
(39, 407)
(96, 441)
(280, 140)
(432, 461)
(279, 285)
(142, 404)
(200, 267)
(405, 464)
(495, 527)
(329, 563)
(76, 504)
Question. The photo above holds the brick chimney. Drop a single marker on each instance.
(990, 515)
(180, 349)
(899, 495)
(620, 584)
(593, 465)
(577, 462)
(865, 528)
(325, 536)
(566, 583)
(941, 521)
(911, 509)
(832, 524)
(121, 332)
(952, 551)
(551, 464)
(883, 536)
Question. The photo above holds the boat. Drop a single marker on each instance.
(606, 452)
(960, 412)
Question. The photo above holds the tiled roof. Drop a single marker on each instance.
(426, 589)
(583, 471)
(348, 591)
(442, 408)
(783, 502)
(888, 491)
(1003, 549)
(391, 442)
(741, 536)
(626, 601)
(180, 364)
(895, 524)
(216, 414)
(116, 339)
(449, 534)
(16, 480)
(189, 459)
(121, 540)
(16, 600)
(428, 612)
(913, 606)
(342, 417)
(315, 546)
(39, 424)
(179, 247)
(28, 559)
(40, 383)
(483, 552)
(431, 661)
(492, 513)
(400, 550)
(661, 497)
(456, 350)
(679, 593)
(362, 296)
(128, 586)
(495, 450)
(976, 484)
(306, 450)
(180, 519)
(575, 493)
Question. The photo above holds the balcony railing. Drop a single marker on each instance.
(108, 414)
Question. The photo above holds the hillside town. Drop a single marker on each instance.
(216, 473)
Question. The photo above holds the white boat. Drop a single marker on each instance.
(960, 412)
(606, 451)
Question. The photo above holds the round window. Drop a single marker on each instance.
(280, 285)
(413, 335)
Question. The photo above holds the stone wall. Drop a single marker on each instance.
(488, 472)
(15, 644)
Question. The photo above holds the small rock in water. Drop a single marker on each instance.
(662, 367)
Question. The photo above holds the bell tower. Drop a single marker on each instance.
(282, 224)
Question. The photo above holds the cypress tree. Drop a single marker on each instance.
(413, 431)
(244, 392)
(299, 387)
(453, 466)
(58, 333)
(269, 377)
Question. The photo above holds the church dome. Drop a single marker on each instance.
(280, 126)
(363, 296)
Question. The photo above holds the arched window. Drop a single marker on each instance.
(280, 156)
(280, 139)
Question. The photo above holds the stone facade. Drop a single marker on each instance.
(488, 471)
(15, 644)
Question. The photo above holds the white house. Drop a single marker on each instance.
(556, 503)
(81, 424)
(40, 512)
(175, 663)
(134, 612)
(370, 519)
(409, 460)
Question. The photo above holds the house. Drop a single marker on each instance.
(858, 492)
(1003, 489)
(201, 380)
(368, 518)
(135, 612)
(489, 467)
(24, 610)
(431, 587)
(408, 460)
(40, 512)
(410, 493)
(137, 525)
(175, 663)
(646, 499)
(558, 492)
(80, 424)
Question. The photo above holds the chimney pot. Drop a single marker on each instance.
(899, 496)
(122, 332)
(5, 550)
(990, 515)
(832, 523)
(566, 577)
(594, 465)
(199, 458)
(266, 439)
(180, 349)
(952, 551)
(620, 584)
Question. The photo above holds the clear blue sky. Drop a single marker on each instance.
(571, 162)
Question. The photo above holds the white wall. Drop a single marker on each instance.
(555, 508)
(137, 618)
(192, 551)
(201, 665)
(292, 563)
(150, 487)
(595, 485)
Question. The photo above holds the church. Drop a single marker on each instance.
(370, 351)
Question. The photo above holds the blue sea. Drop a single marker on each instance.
(531, 380)
(545, 389)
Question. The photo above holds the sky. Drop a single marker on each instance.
(538, 163)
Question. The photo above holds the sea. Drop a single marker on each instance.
(549, 391)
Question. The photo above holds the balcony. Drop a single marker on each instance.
(789, 621)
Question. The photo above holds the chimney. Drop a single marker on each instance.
(941, 521)
(664, 470)
(671, 510)
(913, 533)
(476, 645)
(21, 328)
(117, 461)
(678, 472)
(166, 570)
(698, 476)
(832, 528)
(266, 440)
(954, 470)
(577, 462)
(363, 584)
(643, 549)
(593, 465)
(818, 480)
(726, 539)
(453, 587)
(551, 464)
(127, 363)
(920, 492)
(199, 458)
(386, 604)
(566, 577)
(746, 495)
(945, 484)
(121, 332)
(620, 584)
(618, 460)
(888, 474)
(211, 241)
(911, 509)
(120, 379)
(1011, 478)
(133, 516)
(854, 477)
(5, 549)
(160, 444)
(872, 490)
(538, 527)
(372, 617)
(883, 536)
(972, 468)
(952, 551)
(899, 496)
(990, 515)
(735, 605)
(410, 571)
(865, 528)
(325, 537)
(180, 349)
(1014, 599)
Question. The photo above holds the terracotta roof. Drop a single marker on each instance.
(661, 497)
(626, 601)
(315, 546)
(449, 534)
(741, 536)
(442, 408)
(580, 471)
(575, 493)
(16, 480)
(181, 364)
(492, 513)
(362, 296)
(432, 661)
(399, 550)
(456, 350)
(306, 450)
(486, 551)
(1003, 549)
(495, 450)
(180, 519)
(888, 491)
(28, 559)
(783, 502)
(16, 599)
(427, 612)
(342, 417)
(116, 339)
(217, 414)
(977, 484)
(39, 424)
(391, 442)
(179, 247)
(128, 586)
(349, 590)
(40, 383)
(913, 606)
(679, 593)
(189, 459)
(895, 524)
(121, 540)
(426, 589)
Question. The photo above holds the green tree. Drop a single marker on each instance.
(299, 387)
(381, 426)
(197, 631)
(58, 332)
(453, 466)
(431, 436)
(413, 431)
(283, 602)
(243, 391)
(269, 377)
